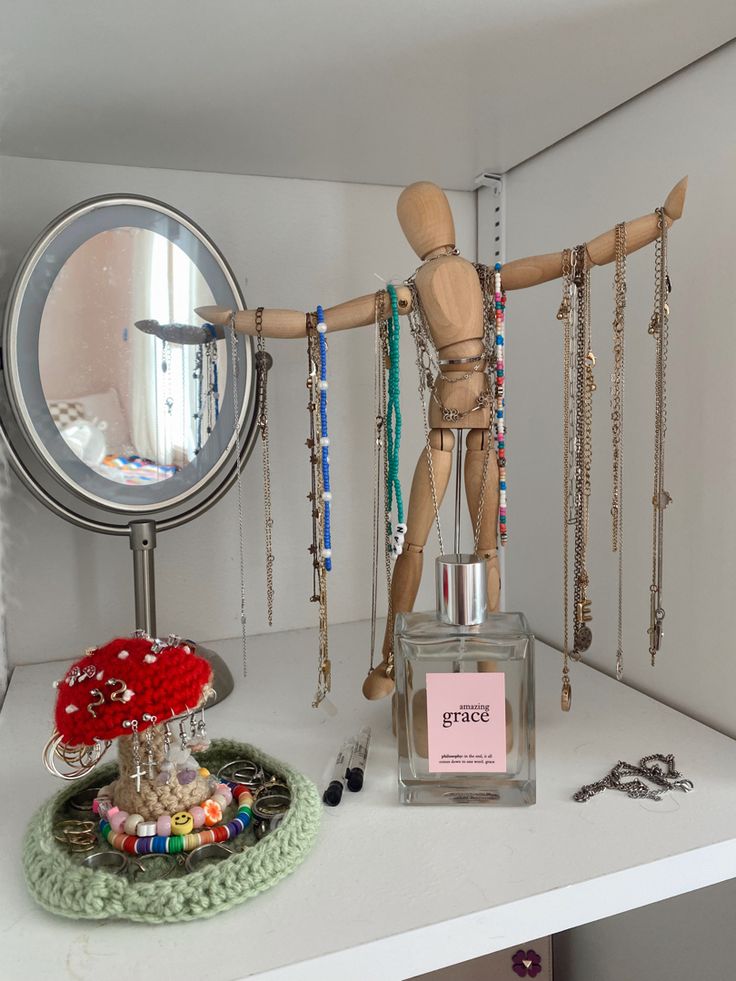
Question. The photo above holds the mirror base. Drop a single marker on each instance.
(222, 678)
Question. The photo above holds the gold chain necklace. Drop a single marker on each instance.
(584, 388)
(659, 329)
(565, 314)
(264, 363)
(617, 428)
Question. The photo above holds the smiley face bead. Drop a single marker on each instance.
(182, 823)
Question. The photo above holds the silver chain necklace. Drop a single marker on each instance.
(657, 769)
(235, 367)
(428, 363)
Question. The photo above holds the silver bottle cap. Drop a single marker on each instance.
(462, 595)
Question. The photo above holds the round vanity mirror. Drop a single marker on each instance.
(118, 401)
(120, 409)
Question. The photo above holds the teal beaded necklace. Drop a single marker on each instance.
(393, 423)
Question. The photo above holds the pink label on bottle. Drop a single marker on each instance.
(466, 722)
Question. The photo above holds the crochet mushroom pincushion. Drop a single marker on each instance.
(129, 678)
(131, 690)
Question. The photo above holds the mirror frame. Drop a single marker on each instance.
(32, 460)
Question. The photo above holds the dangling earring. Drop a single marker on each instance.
(138, 772)
(202, 738)
(183, 740)
(150, 762)
(166, 767)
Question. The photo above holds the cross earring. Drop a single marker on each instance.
(138, 772)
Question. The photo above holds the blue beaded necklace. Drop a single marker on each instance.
(324, 438)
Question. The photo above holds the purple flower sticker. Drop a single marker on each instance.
(526, 963)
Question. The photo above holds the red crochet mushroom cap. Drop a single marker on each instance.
(126, 679)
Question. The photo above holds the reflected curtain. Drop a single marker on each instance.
(164, 390)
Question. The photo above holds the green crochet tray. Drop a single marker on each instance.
(62, 885)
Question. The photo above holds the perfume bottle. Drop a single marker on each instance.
(465, 696)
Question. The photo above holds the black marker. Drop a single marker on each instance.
(333, 795)
(358, 760)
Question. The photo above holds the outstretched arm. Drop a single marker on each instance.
(292, 323)
(537, 269)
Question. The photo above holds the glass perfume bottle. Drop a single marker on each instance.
(465, 696)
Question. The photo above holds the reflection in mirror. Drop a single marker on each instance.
(132, 385)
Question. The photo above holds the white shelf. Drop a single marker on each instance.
(392, 891)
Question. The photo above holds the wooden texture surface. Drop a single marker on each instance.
(425, 218)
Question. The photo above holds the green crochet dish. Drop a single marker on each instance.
(61, 885)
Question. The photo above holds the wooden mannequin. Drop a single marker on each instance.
(452, 302)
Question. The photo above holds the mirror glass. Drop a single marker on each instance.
(122, 392)
(131, 384)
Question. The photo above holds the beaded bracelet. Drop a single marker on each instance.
(183, 838)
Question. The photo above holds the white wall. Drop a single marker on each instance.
(292, 244)
(623, 166)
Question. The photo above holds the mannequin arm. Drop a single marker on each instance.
(292, 323)
(521, 273)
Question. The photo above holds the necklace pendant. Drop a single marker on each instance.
(583, 640)
(566, 695)
(583, 614)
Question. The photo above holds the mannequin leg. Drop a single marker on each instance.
(476, 443)
(408, 568)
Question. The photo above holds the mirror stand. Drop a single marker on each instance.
(142, 544)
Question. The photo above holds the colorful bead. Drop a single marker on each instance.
(203, 771)
(181, 823)
(197, 815)
(146, 829)
(212, 812)
(131, 823)
(117, 820)
(163, 825)
(222, 788)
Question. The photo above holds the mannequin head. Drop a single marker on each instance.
(425, 218)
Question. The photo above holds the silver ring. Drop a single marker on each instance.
(140, 866)
(212, 852)
(272, 800)
(246, 772)
(113, 862)
(83, 799)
